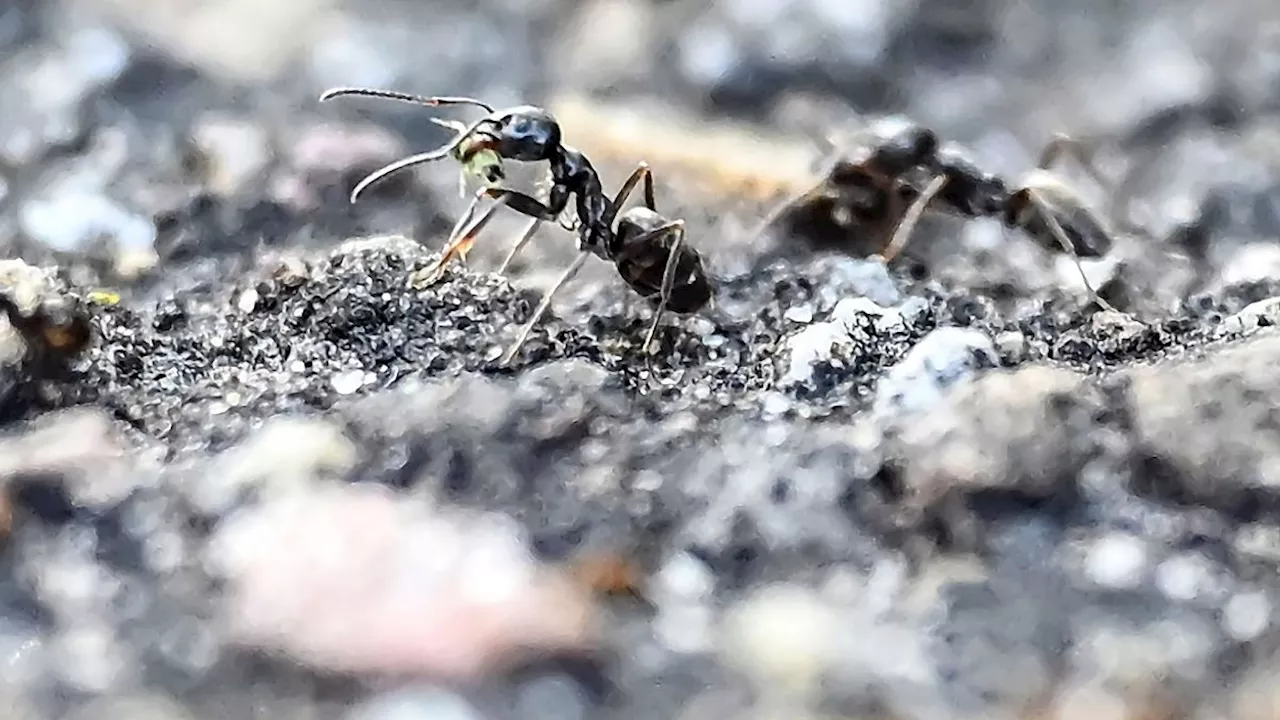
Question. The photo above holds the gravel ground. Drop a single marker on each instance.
(280, 484)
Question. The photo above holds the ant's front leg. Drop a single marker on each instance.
(460, 242)
(1083, 152)
(523, 203)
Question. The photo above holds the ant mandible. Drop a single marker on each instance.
(646, 248)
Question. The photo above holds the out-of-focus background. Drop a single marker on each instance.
(283, 486)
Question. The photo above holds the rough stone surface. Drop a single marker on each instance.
(282, 484)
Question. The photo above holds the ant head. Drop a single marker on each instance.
(525, 133)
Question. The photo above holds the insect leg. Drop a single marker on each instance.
(641, 171)
(782, 207)
(1056, 228)
(525, 237)
(522, 202)
(676, 227)
(543, 305)
(908, 223)
(460, 242)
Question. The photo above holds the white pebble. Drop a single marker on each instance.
(685, 577)
(1247, 615)
(800, 314)
(783, 635)
(1183, 578)
(347, 383)
(1117, 561)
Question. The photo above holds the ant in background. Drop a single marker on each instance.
(55, 332)
(899, 169)
(1042, 205)
(646, 248)
(862, 189)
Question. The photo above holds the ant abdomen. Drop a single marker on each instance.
(1088, 236)
(642, 258)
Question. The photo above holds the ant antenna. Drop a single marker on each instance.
(418, 159)
(404, 97)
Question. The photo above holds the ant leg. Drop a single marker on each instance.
(781, 208)
(1056, 228)
(676, 227)
(642, 171)
(460, 243)
(522, 203)
(543, 305)
(1121, 192)
(525, 237)
(911, 218)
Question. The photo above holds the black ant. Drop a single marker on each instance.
(55, 332)
(1044, 207)
(879, 188)
(862, 189)
(646, 248)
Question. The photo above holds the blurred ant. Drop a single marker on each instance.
(646, 248)
(878, 187)
(862, 188)
(1044, 207)
(55, 332)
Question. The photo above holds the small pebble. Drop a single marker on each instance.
(1012, 346)
(415, 703)
(782, 635)
(347, 383)
(248, 301)
(799, 314)
(1184, 577)
(1247, 615)
(1263, 313)
(944, 358)
(1117, 561)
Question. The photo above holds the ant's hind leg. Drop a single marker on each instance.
(543, 305)
(642, 171)
(912, 217)
(1081, 151)
(1056, 228)
(676, 227)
